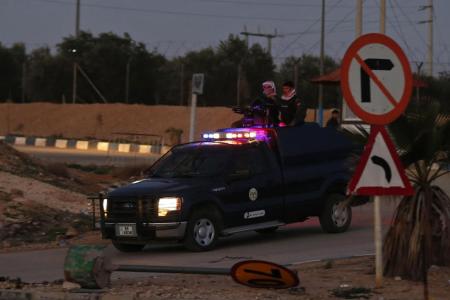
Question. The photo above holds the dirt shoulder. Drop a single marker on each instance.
(341, 279)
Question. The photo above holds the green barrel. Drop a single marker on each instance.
(88, 266)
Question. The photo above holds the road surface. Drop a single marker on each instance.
(289, 245)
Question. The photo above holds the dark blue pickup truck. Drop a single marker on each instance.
(234, 180)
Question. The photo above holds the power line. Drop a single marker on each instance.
(306, 31)
(178, 13)
(413, 25)
(334, 27)
(277, 4)
(399, 31)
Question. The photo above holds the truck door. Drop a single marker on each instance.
(253, 188)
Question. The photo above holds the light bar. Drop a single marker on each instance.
(236, 134)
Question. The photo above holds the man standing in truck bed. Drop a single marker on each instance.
(292, 111)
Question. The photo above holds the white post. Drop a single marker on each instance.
(192, 123)
(378, 243)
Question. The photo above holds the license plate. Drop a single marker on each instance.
(126, 230)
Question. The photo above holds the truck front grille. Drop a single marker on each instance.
(132, 210)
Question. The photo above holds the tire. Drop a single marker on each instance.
(267, 230)
(203, 230)
(333, 221)
(122, 247)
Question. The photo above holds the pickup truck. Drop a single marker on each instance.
(231, 181)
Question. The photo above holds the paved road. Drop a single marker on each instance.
(88, 157)
(291, 244)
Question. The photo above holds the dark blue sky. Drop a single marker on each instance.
(176, 26)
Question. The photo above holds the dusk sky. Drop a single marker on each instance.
(174, 27)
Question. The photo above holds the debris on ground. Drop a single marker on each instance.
(316, 283)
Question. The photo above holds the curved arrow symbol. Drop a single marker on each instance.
(383, 164)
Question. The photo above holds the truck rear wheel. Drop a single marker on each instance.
(123, 247)
(335, 217)
(203, 230)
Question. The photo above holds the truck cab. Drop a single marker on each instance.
(231, 181)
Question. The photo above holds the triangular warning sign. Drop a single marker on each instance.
(380, 171)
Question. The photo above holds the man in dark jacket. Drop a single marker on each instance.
(269, 102)
(292, 111)
(333, 122)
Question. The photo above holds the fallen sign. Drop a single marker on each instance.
(379, 171)
(87, 266)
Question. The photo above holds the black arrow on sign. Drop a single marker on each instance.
(377, 64)
(383, 164)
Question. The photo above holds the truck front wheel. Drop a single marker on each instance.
(335, 217)
(203, 230)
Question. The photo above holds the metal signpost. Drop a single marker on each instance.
(197, 89)
(88, 266)
(377, 85)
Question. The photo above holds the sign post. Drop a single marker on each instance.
(197, 89)
(377, 85)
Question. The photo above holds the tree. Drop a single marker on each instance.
(11, 60)
(49, 78)
(419, 235)
(105, 58)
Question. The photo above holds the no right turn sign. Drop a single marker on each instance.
(376, 79)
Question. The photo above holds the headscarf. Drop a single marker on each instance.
(269, 88)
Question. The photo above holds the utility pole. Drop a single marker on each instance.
(419, 68)
(383, 16)
(127, 81)
(268, 36)
(430, 35)
(75, 67)
(24, 80)
(322, 67)
(296, 74)
(239, 75)
(359, 17)
(182, 84)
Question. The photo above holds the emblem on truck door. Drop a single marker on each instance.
(253, 194)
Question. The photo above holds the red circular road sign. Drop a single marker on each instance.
(376, 79)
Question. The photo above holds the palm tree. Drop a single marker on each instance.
(419, 235)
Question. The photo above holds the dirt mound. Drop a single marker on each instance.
(39, 203)
(32, 211)
(20, 164)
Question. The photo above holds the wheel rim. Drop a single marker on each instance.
(339, 214)
(204, 232)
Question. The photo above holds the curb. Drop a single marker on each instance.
(83, 145)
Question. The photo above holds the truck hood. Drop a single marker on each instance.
(158, 186)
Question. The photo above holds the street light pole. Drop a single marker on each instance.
(75, 67)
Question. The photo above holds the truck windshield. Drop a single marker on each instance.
(192, 162)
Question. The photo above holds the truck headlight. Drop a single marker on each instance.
(167, 204)
(105, 206)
